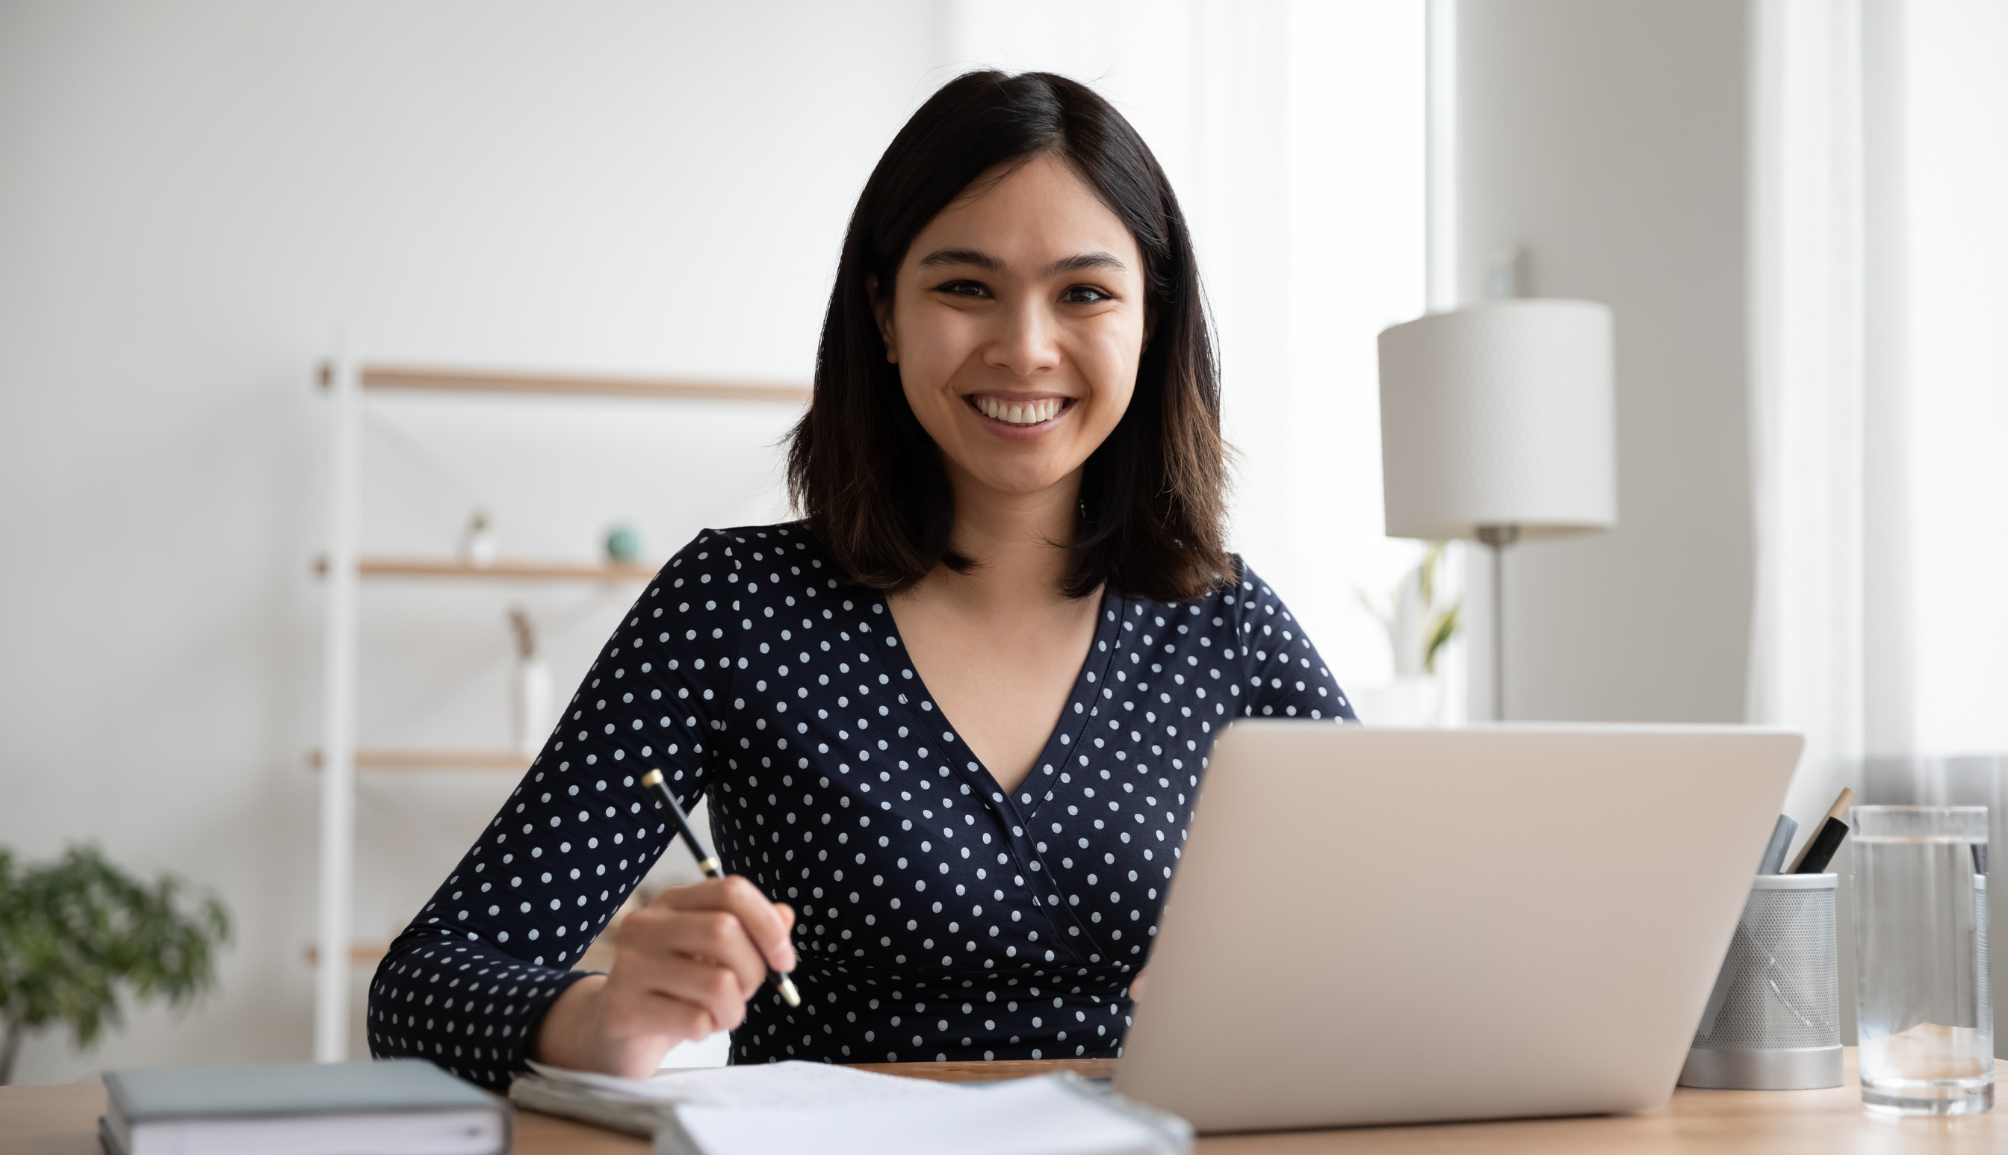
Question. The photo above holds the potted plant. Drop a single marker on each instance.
(1420, 622)
(77, 932)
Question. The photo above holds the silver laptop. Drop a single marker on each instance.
(1390, 926)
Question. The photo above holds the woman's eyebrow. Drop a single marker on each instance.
(1081, 262)
(981, 260)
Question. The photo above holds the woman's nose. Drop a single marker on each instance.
(1027, 342)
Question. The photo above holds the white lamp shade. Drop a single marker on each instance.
(1499, 415)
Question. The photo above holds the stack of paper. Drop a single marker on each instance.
(645, 1106)
(830, 1110)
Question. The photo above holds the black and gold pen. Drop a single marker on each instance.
(708, 863)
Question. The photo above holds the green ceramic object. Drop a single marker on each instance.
(623, 543)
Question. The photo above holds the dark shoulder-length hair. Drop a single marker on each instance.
(870, 480)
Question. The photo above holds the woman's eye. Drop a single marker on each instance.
(963, 289)
(1084, 295)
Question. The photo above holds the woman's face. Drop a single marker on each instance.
(1017, 322)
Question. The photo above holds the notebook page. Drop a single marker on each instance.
(791, 1084)
(1021, 1117)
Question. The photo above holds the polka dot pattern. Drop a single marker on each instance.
(939, 917)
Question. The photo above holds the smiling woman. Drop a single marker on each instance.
(959, 714)
(1017, 364)
(1018, 243)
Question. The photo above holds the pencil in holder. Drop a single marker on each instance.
(1773, 1021)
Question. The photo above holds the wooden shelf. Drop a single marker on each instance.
(349, 383)
(415, 377)
(512, 569)
(360, 954)
(410, 760)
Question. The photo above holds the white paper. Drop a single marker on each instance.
(1020, 1117)
(791, 1084)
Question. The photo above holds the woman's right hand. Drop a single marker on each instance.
(684, 966)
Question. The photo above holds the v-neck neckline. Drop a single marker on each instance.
(1067, 731)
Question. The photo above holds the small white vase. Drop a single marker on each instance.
(1408, 700)
(479, 545)
(530, 717)
(481, 548)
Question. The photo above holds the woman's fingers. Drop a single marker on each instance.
(642, 1013)
(650, 938)
(722, 921)
(766, 923)
(787, 914)
(677, 994)
(684, 967)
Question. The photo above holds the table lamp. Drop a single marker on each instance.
(1497, 422)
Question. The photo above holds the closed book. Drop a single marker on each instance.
(392, 1107)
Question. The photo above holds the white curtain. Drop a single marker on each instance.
(1806, 295)
(1947, 317)
(1880, 393)
(1293, 131)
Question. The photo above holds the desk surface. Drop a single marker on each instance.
(62, 1120)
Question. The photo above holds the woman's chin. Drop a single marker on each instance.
(1021, 482)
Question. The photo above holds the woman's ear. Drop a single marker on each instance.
(882, 312)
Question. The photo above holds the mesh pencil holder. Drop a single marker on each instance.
(1773, 1021)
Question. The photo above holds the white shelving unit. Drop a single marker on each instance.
(348, 380)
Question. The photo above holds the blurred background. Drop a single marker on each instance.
(1792, 206)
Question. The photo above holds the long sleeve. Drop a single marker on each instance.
(467, 983)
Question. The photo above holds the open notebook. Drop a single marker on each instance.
(837, 1110)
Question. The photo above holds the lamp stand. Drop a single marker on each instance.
(1498, 537)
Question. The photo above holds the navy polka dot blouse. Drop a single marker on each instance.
(938, 917)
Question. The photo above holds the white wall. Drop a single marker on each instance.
(1609, 139)
(194, 199)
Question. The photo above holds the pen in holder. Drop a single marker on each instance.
(1773, 1022)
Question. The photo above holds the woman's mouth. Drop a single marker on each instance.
(1019, 414)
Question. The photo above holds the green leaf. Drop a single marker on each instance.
(1426, 572)
(76, 933)
(1442, 628)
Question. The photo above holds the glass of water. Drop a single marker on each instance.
(1921, 997)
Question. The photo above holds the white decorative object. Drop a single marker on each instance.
(479, 545)
(1498, 420)
(1419, 616)
(1420, 619)
(530, 689)
(1409, 700)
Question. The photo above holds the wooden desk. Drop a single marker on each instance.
(63, 1121)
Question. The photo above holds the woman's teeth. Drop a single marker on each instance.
(1030, 413)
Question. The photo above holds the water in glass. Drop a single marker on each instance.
(1922, 1003)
